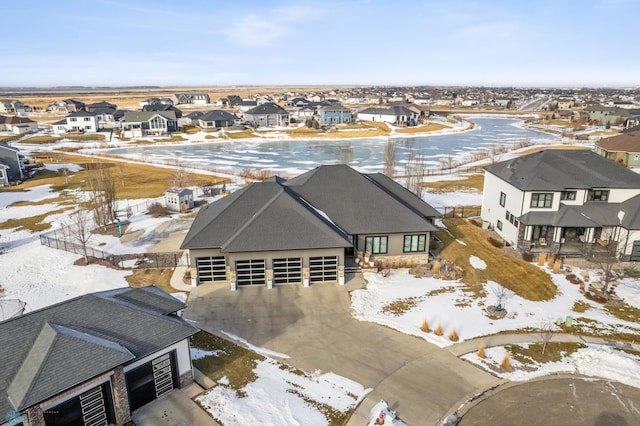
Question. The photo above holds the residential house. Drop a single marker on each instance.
(302, 231)
(11, 158)
(178, 199)
(301, 114)
(246, 105)
(603, 115)
(155, 101)
(335, 114)
(138, 124)
(8, 105)
(66, 106)
(190, 98)
(569, 202)
(623, 148)
(82, 121)
(4, 174)
(163, 107)
(396, 115)
(17, 125)
(94, 359)
(267, 115)
(216, 119)
(100, 106)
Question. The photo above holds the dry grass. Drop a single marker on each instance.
(553, 352)
(481, 350)
(431, 127)
(506, 362)
(86, 137)
(233, 361)
(438, 331)
(160, 278)
(580, 306)
(241, 134)
(174, 137)
(469, 183)
(561, 123)
(424, 326)
(32, 223)
(524, 279)
(401, 306)
(141, 180)
(624, 312)
(549, 147)
(41, 139)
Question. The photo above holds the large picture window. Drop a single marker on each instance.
(598, 195)
(376, 245)
(542, 200)
(414, 243)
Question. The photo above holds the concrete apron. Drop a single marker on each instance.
(314, 327)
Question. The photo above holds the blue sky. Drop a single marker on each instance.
(345, 42)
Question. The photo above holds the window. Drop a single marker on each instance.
(503, 199)
(539, 231)
(499, 225)
(598, 195)
(541, 200)
(73, 119)
(568, 195)
(87, 119)
(414, 243)
(376, 245)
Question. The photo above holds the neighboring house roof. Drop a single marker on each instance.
(334, 107)
(11, 119)
(195, 115)
(394, 110)
(217, 114)
(557, 170)
(9, 147)
(163, 107)
(178, 191)
(592, 214)
(53, 349)
(260, 217)
(267, 108)
(140, 116)
(360, 203)
(82, 113)
(627, 142)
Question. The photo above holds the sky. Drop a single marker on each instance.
(330, 42)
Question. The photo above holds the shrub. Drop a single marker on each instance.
(542, 258)
(438, 331)
(573, 279)
(453, 336)
(495, 242)
(157, 210)
(436, 267)
(506, 362)
(527, 257)
(481, 353)
(425, 326)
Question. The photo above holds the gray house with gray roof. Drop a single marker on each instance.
(304, 230)
(569, 202)
(13, 164)
(267, 114)
(93, 359)
(146, 123)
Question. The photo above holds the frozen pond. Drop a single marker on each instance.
(289, 157)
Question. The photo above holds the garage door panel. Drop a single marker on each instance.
(323, 269)
(211, 268)
(251, 272)
(287, 270)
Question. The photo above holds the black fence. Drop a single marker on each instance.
(161, 260)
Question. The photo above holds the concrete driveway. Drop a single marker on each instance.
(315, 328)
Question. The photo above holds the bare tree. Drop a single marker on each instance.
(390, 159)
(122, 174)
(502, 294)
(345, 154)
(606, 261)
(180, 176)
(415, 169)
(494, 152)
(546, 331)
(102, 188)
(80, 230)
(446, 162)
(64, 171)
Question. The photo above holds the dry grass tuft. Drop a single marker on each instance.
(438, 331)
(453, 336)
(481, 348)
(506, 362)
(424, 326)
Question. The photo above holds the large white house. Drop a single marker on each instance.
(570, 202)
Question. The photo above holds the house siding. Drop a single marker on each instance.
(493, 212)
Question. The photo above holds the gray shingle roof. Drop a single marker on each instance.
(142, 116)
(267, 108)
(45, 352)
(217, 114)
(262, 216)
(557, 170)
(359, 203)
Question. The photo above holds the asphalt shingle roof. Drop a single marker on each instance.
(217, 114)
(626, 142)
(267, 108)
(142, 116)
(557, 170)
(263, 216)
(47, 351)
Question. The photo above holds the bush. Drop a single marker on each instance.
(425, 326)
(495, 242)
(506, 362)
(527, 257)
(453, 336)
(438, 331)
(157, 210)
(481, 353)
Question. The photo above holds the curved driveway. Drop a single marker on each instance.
(314, 327)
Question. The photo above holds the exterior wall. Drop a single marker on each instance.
(4, 179)
(626, 240)
(620, 195)
(183, 358)
(86, 124)
(493, 212)
(10, 157)
(395, 246)
(377, 117)
(268, 119)
(335, 116)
